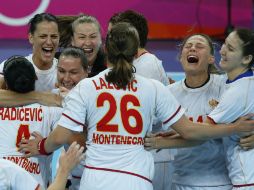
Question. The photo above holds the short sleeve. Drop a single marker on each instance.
(74, 112)
(229, 108)
(168, 110)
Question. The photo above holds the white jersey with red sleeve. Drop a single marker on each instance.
(117, 121)
(19, 122)
(46, 78)
(237, 101)
(13, 177)
(209, 158)
(149, 66)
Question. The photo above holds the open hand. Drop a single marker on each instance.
(30, 146)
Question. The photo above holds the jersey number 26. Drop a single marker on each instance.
(104, 124)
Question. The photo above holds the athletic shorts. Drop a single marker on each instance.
(93, 179)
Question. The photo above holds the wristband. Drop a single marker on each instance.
(41, 147)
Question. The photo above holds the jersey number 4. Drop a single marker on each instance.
(23, 132)
(104, 124)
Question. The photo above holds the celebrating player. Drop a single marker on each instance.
(20, 122)
(236, 60)
(117, 111)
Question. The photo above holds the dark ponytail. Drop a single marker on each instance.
(122, 44)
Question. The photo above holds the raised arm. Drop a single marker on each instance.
(12, 99)
(68, 160)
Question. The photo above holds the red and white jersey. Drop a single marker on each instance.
(118, 120)
(149, 66)
(209, 158)
(19, 122)
(46, 78)
(13, 177)
(237, 101)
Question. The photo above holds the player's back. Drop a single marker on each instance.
(13, 177)
(149, 66)
(19, 122)
(118, 120)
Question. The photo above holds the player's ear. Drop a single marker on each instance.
(211, 59)
(30, 38)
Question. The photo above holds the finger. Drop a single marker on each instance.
(246, 148)
(28, 155)
(247, 117)
(23, 141)
(36, 134)
(246, 139)
(148, 139)
(24, 150)
(148, 144)
(247, 144)
(176, 136)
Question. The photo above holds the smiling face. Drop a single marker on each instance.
(232, 60)
(87, 36)
(44, 40)
(196, 55)
(70, 71)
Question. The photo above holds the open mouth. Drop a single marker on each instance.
(47, 50)
(192, 59)
(88, 50)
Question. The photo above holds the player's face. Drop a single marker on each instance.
(196, 55)
(87, 36)
(45, 42)
(231, 54)
(70, 71)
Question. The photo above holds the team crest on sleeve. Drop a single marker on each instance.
(213, 103)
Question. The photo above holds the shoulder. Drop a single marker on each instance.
(149, 57)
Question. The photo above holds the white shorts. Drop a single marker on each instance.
(93, 179)
(186, 187)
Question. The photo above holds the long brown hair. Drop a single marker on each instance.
(122, 44)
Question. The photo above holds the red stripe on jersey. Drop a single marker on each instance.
(76, 177)
(211, 120)
(38, 186)
(119, 171)
(74, 120)
(244, 185)
(142, 53)
(178, 109)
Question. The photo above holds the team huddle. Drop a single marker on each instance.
(116, 114)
